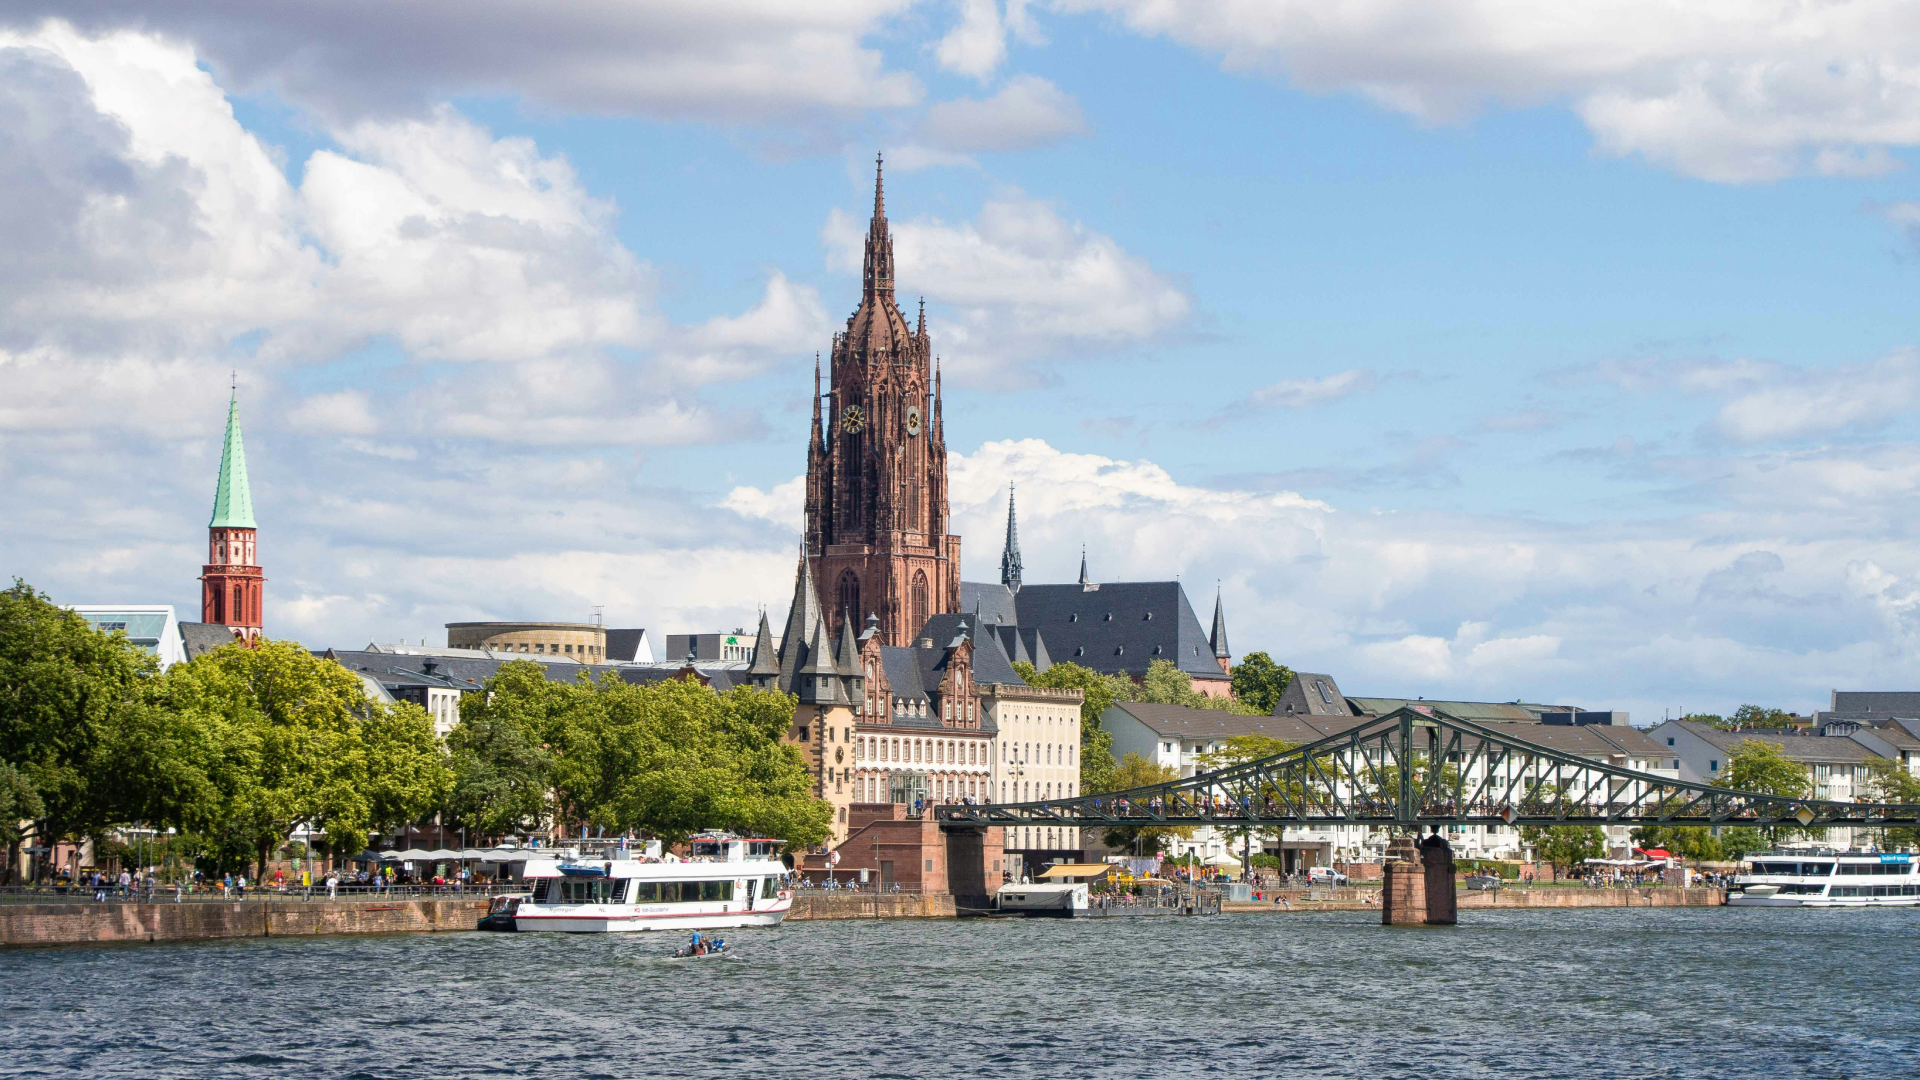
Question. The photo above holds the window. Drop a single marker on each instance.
(646, 892)
(847, 595)
(1669, 740)
(1713, 766)
(1325, 694)
(919, 600)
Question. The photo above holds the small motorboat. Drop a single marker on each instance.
(687, 952)
(500, 912)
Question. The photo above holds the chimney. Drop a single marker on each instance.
(926, 643)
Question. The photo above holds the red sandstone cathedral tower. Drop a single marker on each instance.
(877, 465)
(231, 585)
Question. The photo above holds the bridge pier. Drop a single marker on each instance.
(1419, 886)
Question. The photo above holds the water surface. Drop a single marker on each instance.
(1687, 992)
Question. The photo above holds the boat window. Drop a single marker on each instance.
(590, 891)
(716, 890)
(646, 892)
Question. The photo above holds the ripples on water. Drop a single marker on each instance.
(1667, 993)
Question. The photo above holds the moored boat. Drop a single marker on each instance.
(1824, 878)
(729, 881)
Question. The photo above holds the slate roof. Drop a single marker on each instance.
(1587, 740)
(1474, 711)
(1112, 628)
(1313, 694)
(199, 638)
(1826, 749)
(470, 673)
(991, 664)
(1876, 704)
(623, 644)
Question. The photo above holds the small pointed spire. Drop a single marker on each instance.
(879, 187)
(819, 437)
(922, 331)
(1083, 564)
(849, 649)
(765, 666)
(877, 273)
(936, 394)
(1219, 638)
(1010, 555)
(232, 497)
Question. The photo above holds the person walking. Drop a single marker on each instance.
(333, 886)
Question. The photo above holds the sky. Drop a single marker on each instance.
(1469, 348)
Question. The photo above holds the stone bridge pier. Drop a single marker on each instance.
(1419, 888)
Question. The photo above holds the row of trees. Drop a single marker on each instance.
(234, 749)
(239, 748)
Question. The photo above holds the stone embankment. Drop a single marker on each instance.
(826, 905)
(83, 923)
(1509, 898)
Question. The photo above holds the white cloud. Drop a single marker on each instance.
(1730, 90)
(783, 504)
(1028, 112)
(1016, 285)
(746, 60)
(1767, 401)
(344, 412)
(155, 243)
(977, 44)
(1303, 392)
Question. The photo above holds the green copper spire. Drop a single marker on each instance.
(233, 500)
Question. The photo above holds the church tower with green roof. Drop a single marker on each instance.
(231, 584)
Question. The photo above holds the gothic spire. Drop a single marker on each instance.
(803, 619)
(1219, 638)
(1083, 566)
(1010, 556)
(878, 272)
(232, 498)
(818, 438)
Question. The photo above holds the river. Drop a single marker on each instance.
(1679, 992)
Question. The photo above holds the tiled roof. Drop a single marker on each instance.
(1815, 748)
(1114, 627)
(1585, 740)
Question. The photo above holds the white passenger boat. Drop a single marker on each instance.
(1827, 879)
(729, 881)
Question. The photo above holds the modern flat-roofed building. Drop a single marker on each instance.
(733, 645)
(153, 627)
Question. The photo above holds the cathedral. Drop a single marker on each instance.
(877, 525)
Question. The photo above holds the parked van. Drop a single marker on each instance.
(1325, 875)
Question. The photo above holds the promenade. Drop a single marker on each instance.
(80, 920)
(1543, 897)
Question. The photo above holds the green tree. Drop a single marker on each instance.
(1762, 767)
(1134, 771)
(1165, 684)
(497, 754)
(1888, 781)
(1565, 846)
(1688, 843)
(1756, 716)
(79, 728)
(665, 759)
(288, 726)
(1709, 719)
(1239, 750)
(1259, 682)
(1097, 693)
(404, 771)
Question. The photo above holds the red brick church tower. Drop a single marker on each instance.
(877, 464)
(231, 585)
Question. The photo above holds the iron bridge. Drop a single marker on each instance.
(1382, 772)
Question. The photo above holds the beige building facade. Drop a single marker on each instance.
(586, 642)
(1036, 756)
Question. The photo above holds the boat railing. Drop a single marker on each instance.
(215, 894)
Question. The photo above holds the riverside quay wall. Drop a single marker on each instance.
(1472, 900)
(821, 905)
(106, 923)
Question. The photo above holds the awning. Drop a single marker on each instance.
(1085, 870)
(1654, 853)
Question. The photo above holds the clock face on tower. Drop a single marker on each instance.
(851, 421)
(913, 420)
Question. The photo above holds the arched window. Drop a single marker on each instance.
(239, 606)
(918, 602)
(847, 595)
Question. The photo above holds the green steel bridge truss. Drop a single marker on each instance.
(1382, 772)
